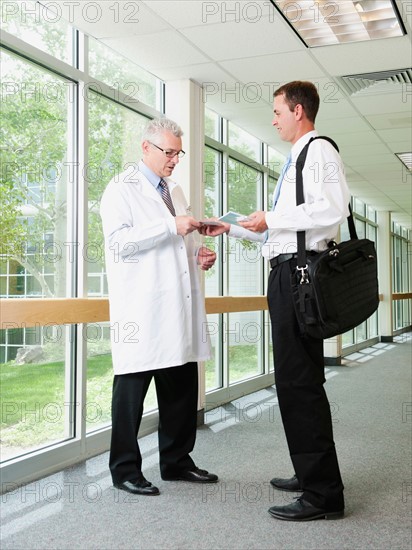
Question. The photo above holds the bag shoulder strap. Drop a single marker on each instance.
(300, 163)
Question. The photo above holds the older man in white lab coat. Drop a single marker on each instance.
(157, 310)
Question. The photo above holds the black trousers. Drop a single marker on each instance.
(304, 406)
(177, 391)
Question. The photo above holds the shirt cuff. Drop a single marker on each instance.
(171, 223)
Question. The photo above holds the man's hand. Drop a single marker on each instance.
(206, 258)
(214, 230)
(186, 224)
(256, 222)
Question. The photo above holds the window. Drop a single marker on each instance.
(366, 227)
(212, 125)
(43, 402)
(37, 392)
(240, 352)
(40, 26)
(244, 143)
(112, 147)
(126, 78)
(401, 279)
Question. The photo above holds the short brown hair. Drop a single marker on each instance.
(302, 93)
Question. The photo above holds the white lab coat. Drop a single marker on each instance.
(157, 313)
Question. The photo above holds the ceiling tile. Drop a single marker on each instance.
(401, 101)
(400, 134)
(271, 71)
(175, 51)
(364, 57)
(198, 12)
(110, 19)
(243, 39)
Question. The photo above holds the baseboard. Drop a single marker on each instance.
(333, 361)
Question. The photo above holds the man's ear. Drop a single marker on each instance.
(299, 112)
(145, 146)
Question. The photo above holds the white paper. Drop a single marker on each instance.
(210, 222)
(233, 218)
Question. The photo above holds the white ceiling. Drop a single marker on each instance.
(247, 46)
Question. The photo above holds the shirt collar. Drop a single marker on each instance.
(153, 178)
(299, 145)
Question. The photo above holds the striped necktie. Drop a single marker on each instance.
(166, 196)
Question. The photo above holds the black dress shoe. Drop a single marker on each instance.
(195, 475)
(139, 487)
(291, 484)
(301, 510)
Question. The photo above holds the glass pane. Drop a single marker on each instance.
(406, 268)
(99, 375)
(34, 190)
(348, 338)
(41, 26)
(212, 208)
(123, 75)
(214, 367)
(243, 257)
(372, 233)
(360, 228)
(244, 143)
(361, 332)
(245, 338)
(373, 325)
(371, 214)
(271, 189)
(275, 160)
(36, 403)
(212, 125)
(34, 181)
(112, 146)
(359, 207)
(100, 378)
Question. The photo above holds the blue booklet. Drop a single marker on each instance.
(233, 218)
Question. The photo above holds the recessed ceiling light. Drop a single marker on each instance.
(324, 23)
(406, 159)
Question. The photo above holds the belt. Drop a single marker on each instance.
(285, 257)
(282, 258)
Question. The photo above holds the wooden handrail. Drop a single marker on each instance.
(61, 311)
(35, 312)
(402, 296)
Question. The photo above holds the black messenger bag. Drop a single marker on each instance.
(337, 289)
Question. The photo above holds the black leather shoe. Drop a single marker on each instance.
(301, 510)
(291, 484)
(195, 475)
(139, 487)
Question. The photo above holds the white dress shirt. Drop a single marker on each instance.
(326, 202)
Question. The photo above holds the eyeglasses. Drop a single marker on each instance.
(168, 153)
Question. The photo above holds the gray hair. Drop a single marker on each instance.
(159, 125)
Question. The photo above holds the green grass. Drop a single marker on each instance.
(34, 407)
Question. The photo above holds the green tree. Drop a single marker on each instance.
(35, 171)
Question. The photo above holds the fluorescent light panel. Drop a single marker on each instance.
(327, 22)
(406, 158)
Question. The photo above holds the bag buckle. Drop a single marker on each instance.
(304, 275)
